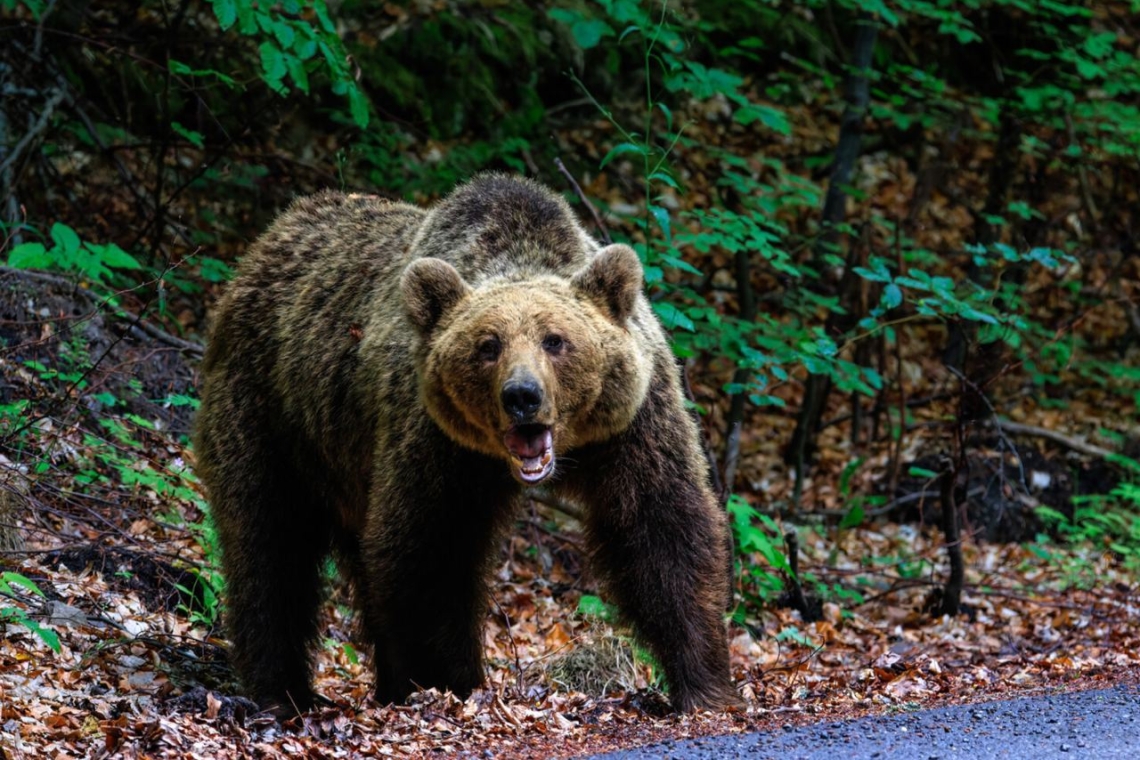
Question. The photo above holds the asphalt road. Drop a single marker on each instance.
(1087, 724)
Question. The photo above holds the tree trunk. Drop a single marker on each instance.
(856, 92)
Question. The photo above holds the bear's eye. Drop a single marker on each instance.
(489, 349)
(553, 344)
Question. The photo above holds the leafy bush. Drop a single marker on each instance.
(17, 615)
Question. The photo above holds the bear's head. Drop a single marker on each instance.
(526, 370)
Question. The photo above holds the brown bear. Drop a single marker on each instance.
(383, 382)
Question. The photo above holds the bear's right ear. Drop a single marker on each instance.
(613, 280)
(431, 287)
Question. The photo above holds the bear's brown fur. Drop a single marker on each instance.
(381, 383)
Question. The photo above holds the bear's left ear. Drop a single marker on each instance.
(431, 287)
(612, 280)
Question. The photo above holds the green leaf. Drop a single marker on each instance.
(662, 217)
(273, 66)
(564, 16)
(892, 296)
(191, 136)
(8, 578)
(177, 67)
(322, 11)
(284, 33)
(46, 635)
(298, 73)
(672, 317)
(848, 472)
(247, 20)
(878, 274)
(922, 472)
(853, 517)
(772, 118)
(306, 48)
(358, 105)
(589, 32)
(66, 240)
(113, 256)
(675, 262)
(972, 314)
(593, 606)
(620, 149)
(29, 256)
(226, 13)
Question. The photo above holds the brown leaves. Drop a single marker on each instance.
(109, 693)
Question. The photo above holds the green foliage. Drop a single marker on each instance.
(1103, 523)
(796, 636)
(17, 615)
(118, 458)
(757, 534)
(593, 606)
(93, 261)
(291, 46)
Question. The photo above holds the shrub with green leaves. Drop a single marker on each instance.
(18, 615)
(95, 262)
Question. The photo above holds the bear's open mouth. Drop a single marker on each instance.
(531, 447)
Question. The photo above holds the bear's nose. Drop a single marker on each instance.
(521, 399)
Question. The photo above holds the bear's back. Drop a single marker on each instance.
(502, 226)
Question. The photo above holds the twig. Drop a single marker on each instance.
(582, 196)
(1073, 443)
(799, 602)
(911, 403)
(731, 458)
(897, 585)
(135, 323)
(544, 496)
(514, 644)
(1082, 174)
(890, 506)
(94, 365)
(952, 591)
(896, 460)
(41, 124)
(538, 524)
(38, 43)
(997, 423)
(123, 170)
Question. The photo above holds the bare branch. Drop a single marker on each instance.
(1016, 428)
(544, 496)
(581, 195)
(136, 323)
(41, 124)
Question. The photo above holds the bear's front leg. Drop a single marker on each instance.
(660, 543)
(433, 523)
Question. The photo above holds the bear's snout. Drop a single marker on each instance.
(522, 398)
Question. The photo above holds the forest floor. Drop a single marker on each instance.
(109, 520)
